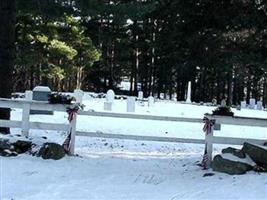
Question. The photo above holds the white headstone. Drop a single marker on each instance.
(140, 95)
(151, 101)
(130, 104)
(108, 106)
(188, 96)
(110, 96)
(223, 103)
(78, 94)
(243, 104)
(252, 103)
(174, 97)
(214, 102)
(259, 105)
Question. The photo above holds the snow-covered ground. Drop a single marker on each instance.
(122, 169)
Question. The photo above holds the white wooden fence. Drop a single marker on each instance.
(210, 139)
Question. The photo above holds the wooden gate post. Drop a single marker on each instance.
(209, 145)
(73, 133)
(26, 113)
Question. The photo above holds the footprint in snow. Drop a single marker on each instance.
(30, 173)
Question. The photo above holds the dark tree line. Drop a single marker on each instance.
(220, 46)
(157, 45)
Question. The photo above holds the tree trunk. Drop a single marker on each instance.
(7, 52)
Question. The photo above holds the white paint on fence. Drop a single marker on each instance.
(73, 134)
(209, 145)
(108, 106)
(26, 114)
(27, 104)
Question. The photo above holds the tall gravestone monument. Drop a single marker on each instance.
(188, 97)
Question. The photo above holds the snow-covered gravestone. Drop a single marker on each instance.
(223, 103)
(259, 105)
(243, 104)
(151, 101)
(110, 96)
(130, 104)
(140, 95)
(252, 103)
(78, 94)
(41, 93)
(174, 97)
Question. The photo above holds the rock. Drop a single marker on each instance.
(236, 152)
(22, 146)
(6, 149)
(51, 151)
(257, 153)
(4, 144)
(8, 153)
(230, 166)
(260, 168)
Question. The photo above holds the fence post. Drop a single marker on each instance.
(26, 113)
(73, 133)
(209, 145)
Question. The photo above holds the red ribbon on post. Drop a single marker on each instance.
(207, 128)
(71, 113)
(209, 123)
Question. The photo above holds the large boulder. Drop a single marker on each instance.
(236, 152)
(51, 151)
(256, 152)
(230, 164)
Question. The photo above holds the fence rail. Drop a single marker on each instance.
(28, 104)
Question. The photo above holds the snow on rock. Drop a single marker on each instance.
(246, 160)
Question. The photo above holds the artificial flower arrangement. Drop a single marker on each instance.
(58, 98)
